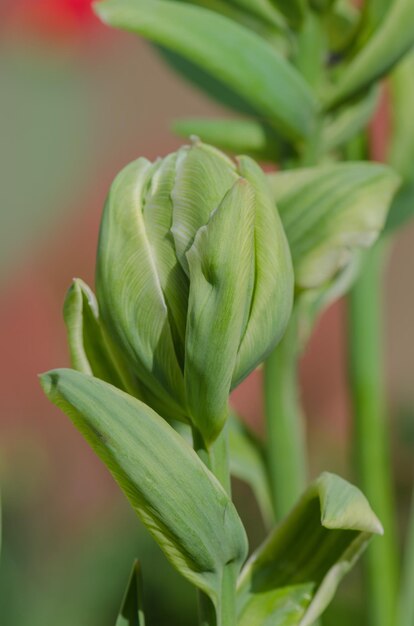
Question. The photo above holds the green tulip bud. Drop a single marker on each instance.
(194, 279)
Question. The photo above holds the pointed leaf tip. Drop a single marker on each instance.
(344, 506)
(132, 612)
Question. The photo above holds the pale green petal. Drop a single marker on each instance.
(220, 263)
(203, 177)
(273, 278)
(129, 289)
(157, 212)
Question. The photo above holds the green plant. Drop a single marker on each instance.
(208, 267)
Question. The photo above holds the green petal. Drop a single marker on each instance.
(203, 177)
(129, 288)
(157, 214)
(273, 278)
(220, 263)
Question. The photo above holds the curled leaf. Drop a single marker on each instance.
(293, 576)
(329, 212)
(90, 348)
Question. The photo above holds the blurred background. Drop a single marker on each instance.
(77, 103)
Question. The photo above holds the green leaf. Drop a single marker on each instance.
(321, 5)
(390, 42)
(341, 24)
(349, 120)
(293, 576)
(230, 52)
(311, 50)
(234, 135)
(136, 279)
(177, 498)
(330, 211)
(294, 10)
(205, 82)
(373, 13)
(194, 195)
(221, 284)
(264, 9)
(254, 13)
(247, 463)
(132, 612)
(312, 302)
(272, 299)
(401, 152)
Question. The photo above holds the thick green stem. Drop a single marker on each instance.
(371, 437)
(286, 451)
(216, 457)
(226, 609)
(227, 605)
(206, 611)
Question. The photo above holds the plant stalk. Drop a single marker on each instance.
(286, 450)
(370, 441)
(285, 425)
(216, 457)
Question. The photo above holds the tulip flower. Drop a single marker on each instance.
(194, 280)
